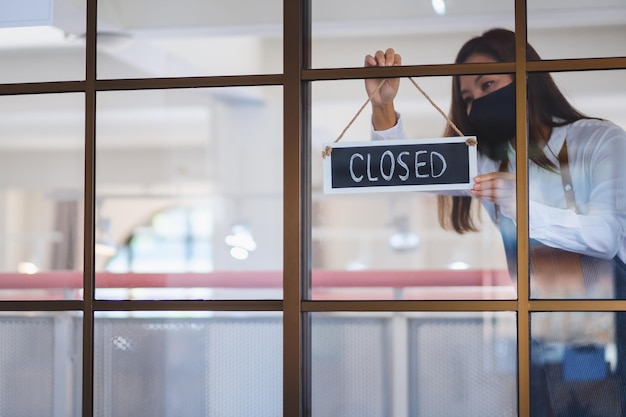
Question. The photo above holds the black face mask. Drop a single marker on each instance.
(493, 118)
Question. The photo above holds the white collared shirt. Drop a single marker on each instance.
(597, 160)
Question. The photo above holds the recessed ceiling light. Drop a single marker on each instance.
(458, 265)
(439, 6)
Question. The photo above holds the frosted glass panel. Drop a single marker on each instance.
(41, 364)
(214, 367)
(578, 363)
(414, 364)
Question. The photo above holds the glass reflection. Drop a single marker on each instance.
(577, 29)
(195, 38)
(577, 251)
(42, 41)
(481, 106)
(429, 32)
(41, 196)
(426, 32)
(576, 198)
(187, 203)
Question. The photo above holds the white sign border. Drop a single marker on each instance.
(473, 166)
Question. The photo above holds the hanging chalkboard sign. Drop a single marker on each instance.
(435, 164)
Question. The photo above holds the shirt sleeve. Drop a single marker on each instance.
(395, 132)
(590, 234)
(597, 228)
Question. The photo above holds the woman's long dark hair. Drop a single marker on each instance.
(547, 107)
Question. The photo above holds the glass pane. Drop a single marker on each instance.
(40, 356)
(577, 207)
(371, 244)
(41, 196)
(146, 38)
(426, 32)
(577, 363)
(189, 194)
(42, 40)
(414, 364)
(561, 29)
(188, 364)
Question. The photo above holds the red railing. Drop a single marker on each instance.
(259, 279)
(326, 284)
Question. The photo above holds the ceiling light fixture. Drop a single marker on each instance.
(439, 6)
(403, 239)
(27, 267)
(241, 242)
(458, 265)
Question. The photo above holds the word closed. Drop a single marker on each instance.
(400, 165)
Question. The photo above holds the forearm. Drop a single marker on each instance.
(383, 116)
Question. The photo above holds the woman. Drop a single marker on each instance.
(581, 219)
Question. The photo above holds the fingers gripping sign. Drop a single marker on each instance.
(497, 188)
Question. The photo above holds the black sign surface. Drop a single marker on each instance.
(401, 165)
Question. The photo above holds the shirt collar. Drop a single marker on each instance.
(555, 143)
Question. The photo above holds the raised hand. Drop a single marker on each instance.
(383, 111)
